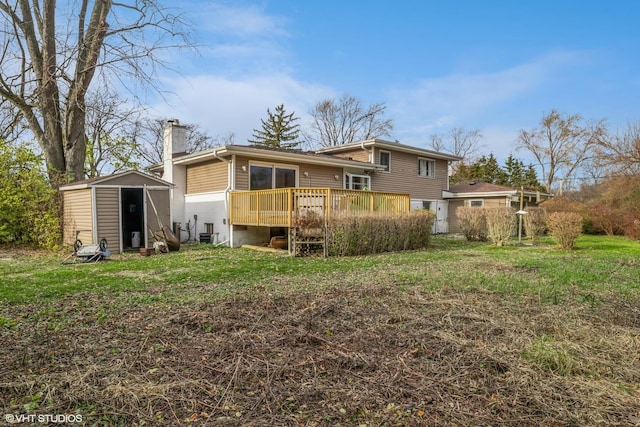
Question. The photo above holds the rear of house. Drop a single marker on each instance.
(207, 185)
(424, 174)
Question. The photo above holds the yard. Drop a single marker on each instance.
(460, 334)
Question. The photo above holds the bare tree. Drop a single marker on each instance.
(458, 142)
(561, 145)
(50, 57)
(111, 126)
(621, 153)
(149, 138)
(345, 120)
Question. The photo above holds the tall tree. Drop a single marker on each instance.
(621, 153)
(110, 126)
(458, 142)
(278, 130)
(344, 120)
(561, 144)
(50, 57)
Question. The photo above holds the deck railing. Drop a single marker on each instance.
(279, 207)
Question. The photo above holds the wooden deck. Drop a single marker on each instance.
(281, 207)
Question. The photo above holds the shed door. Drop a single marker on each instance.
(132, 214)
(158, 212)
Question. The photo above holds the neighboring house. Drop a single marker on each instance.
(246, 194)
(484, 194)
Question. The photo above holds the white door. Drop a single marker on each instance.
(441, 224)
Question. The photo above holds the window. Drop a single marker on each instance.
(426, 168)
(385, 160)
(476, 203)
(266, 177)
(357, 182)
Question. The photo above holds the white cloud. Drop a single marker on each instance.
(221, 106)
(247, 22)
(437, 103)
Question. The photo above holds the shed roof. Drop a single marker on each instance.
(123, 179)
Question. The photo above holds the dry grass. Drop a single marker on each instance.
(359, 352)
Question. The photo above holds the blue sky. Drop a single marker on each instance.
(491, 65)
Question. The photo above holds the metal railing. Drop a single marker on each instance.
(279, 207)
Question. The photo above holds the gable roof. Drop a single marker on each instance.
(388, 145)
(117, 179)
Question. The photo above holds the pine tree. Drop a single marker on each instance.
(279, 130)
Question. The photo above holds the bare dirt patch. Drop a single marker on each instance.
(346, 355)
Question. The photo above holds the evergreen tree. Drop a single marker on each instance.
(279, 130)
(486, 169)
(514, 172)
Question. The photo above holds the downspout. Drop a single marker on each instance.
(371, 159)
(227, 190)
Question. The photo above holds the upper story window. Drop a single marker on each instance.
(426, 168)
(385, 160)
(357, 182)
(266, 176)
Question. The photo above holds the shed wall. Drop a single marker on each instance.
(77, 215)
(108, 217)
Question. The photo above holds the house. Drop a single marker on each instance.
(123, 208)
(237, 194)
(484, 194)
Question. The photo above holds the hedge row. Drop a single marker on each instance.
(369, 234)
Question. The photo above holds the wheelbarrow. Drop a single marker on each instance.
(87, 253)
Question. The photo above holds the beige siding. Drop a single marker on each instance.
(206, 177)
(403, 177)
(319, 176)
(108, 216)
(454, 204)
(454, 227)
(356, 154)
(77, 215)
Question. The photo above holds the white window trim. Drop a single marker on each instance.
(273, 167)
(433, 175)
(476, 200)
(380, 157)
(348, 177)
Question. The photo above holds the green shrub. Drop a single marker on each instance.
(501, 224)
(28, 204)
(534, 222)
(472, 222)
(565, 228)
(373, 233)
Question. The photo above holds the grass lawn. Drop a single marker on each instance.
(459, 334)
